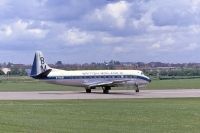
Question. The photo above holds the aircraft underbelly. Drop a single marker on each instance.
(85, 83)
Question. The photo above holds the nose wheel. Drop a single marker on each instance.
(137, 88)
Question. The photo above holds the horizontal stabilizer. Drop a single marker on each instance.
(42, 75)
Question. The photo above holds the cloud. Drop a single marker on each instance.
(179, 12)
(114, 13)
(120, 50)
(119, 18)
(116, 29)
(109, 39)
(76, 37)
(3, 3)
(156, 45)
(6, 31)
(20, 29)
(191, 47)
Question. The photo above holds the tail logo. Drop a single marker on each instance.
(43, 65)
(42, 60)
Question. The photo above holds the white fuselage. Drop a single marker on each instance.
(85, 78)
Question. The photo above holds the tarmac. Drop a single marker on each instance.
(114, 94)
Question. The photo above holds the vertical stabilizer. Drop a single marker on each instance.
(39, 67)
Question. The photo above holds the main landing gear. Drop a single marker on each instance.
(89, 89)
(106, 89)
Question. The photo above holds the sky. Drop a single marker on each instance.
(80, 31)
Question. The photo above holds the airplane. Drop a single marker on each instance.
(89, 79)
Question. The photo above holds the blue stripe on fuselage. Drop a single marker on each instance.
(99, 77)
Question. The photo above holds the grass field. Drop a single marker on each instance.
(28, 84)
(97, 116)
(175, 84)
(101, 116)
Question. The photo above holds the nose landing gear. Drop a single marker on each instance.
(137, 89)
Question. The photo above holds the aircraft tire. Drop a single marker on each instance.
(105, 91)
(88, 90)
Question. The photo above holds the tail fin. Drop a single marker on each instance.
(39, 68)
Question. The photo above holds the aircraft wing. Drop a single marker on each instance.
(106, 83)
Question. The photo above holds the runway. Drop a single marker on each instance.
(114, 94)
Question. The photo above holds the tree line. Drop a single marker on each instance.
(174, 73)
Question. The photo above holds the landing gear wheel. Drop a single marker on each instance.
(88, 90)
(105, 91)
(137, 90)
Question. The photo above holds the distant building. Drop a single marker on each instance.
(59, 63)
(5, 70)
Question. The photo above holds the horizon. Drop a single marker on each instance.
(122, 62)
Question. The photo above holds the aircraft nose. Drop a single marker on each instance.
(149, 80)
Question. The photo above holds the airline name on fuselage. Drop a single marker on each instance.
(102, 73)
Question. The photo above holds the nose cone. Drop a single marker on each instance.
(148, 79)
